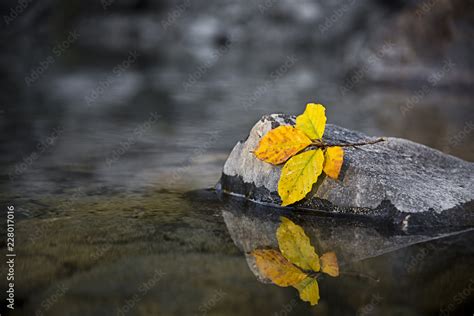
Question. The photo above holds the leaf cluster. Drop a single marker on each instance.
(303, 167)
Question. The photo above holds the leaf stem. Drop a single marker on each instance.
(313, 274)
(321, 144)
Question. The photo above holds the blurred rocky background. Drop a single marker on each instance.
(209, 69)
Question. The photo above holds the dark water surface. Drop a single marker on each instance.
(159, 252)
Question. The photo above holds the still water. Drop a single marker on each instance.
(160, 252)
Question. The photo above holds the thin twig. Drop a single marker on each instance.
(360, 275)
(321, 144)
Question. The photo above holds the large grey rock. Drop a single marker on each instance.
(396, 178)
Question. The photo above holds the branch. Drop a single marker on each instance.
(360, 275)
(321, 144)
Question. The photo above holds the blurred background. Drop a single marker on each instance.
(123, 96)
(94, 71)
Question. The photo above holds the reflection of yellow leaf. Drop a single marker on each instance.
(334, 157)
(298, 176)
(296, 246)
(329, 264)
(275, 267)
(281, 143)
(309, 290)
(312, 121)
(292, 265)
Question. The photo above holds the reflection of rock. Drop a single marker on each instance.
(396, 179)
(253, 226)
(374, 259)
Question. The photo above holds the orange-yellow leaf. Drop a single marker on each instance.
(275, 267)
(295, 245)
(309, 290)
(281, 143)
(298, 176)
(329, 264)
(333, 158)
(312, 121)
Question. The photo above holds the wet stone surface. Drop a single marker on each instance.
(408, 183)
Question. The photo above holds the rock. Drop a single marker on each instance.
(397, 179)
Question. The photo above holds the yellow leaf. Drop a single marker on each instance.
(296, 246)
(309, 290)
(312, 121)
(334, 156)
(329, 264)
(281, 143)
(298, 176)
(275, 267)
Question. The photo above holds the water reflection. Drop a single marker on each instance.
(382, 268)
(296, 263)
